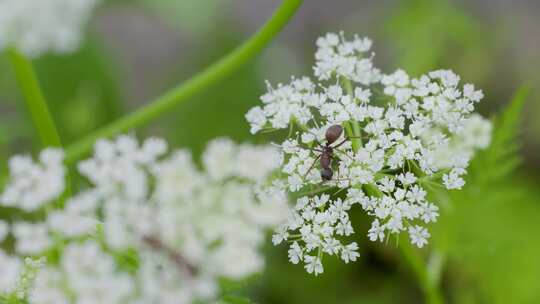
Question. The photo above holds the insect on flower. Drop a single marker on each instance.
(393, 147)
(176, 257)
(333, 133)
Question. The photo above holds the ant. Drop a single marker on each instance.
(175, 257)
(333, 133)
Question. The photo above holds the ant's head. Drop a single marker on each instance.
(333, 133)
(326, 174)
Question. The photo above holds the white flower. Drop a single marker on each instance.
(295, 183)
(281, 235)
(223, 158)
(78, 218)
(362, 94)
(407, 178)
(71, 224)
(429, 212)
(376, 232)
(31, 238)
(424, 133)
(349, 252)
(91, 274)
(313, 265)
(47, 288)
(295, 253)
(331, 246)
(476, 133)
(416, 194)
(32, 185)
(219, 158)
(337, 56)
(418, 235)
(11, 268)
(58, 27)
(27, 275)
(320, 201)
(154, 228)
(453, 180)
(257, 119)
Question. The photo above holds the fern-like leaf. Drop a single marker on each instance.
(502, 157)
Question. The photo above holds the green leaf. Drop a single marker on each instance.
(502, 156)
(491, 243)
(488, 230)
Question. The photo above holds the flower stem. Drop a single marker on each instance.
(34, 99)
(198, 83)
(353, 127)
(37, 106)
(427, 275)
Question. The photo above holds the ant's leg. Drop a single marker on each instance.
(345, 154)
(341, 143)
(311, 167)
(335, 159)
(317, 149)
(339, 180)
(338, 166)
(314, 149)
(345, 140)
(319, 145)
(315, 138)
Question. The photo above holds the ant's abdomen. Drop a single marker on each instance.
(326, 174)
(326, 160)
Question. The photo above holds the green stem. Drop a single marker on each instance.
(353, 127)
(198, 83)
(349, 131)
(427, 275)
(34, 99)
(435, 267)
(37, 107)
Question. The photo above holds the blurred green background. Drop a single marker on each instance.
(137, 49)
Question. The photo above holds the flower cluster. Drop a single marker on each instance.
(319, 222)
(151, 227)
(382, 140)
(37, 27)
(475, 135)
(17, 275)
(32, 185)
(11, 268)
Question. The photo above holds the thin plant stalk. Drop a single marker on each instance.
(36, 105)
(427, 274)
(35, 101)
(427, 278)
(353, 127)
(214, 73)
